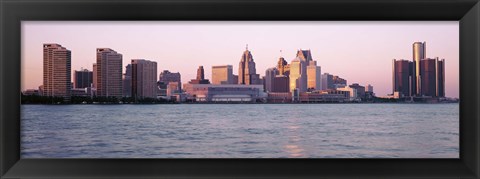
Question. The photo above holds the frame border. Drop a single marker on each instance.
(12, 12)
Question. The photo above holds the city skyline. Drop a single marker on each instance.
(356, 70)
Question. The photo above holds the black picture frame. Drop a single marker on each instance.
(467, 12)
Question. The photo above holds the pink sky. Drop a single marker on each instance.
(360, 52)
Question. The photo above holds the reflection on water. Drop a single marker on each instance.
(240, 131)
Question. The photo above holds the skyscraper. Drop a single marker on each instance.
(270, 79)
(283, 67)
(82, 78)
(432, 75)
(200, 77)
(127, 81)
(246, 69)
(109, 73)
(57, 79)
(304, 55)
(222, 74)
(402, 79)
(314, 76)
(144, 79)
(94, 75)
(298, 75)
(419, 53)
(327, 81)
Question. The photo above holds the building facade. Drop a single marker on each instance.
(222, 74)
(269, 79)
(109, 73)
(57, 64)
(247, 74)
(83, 78)
(224, 93)
(419, 53)
(298, 75)
(314, 76)
(144, 79)
(200, 77)
(127, 81)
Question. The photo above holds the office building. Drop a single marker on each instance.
(57, 72)
(305, 55)
(200, 77)
(82, 78)
(419, 53)
(283, 67)
(402, 78)
(270, 79)
(298, 75)
(327, 81)
(432, 76)
(281, 84)
(109, 73)
(167, 76)
(144, 79)
(247, 74)
(222, 74)
(94, 85)
(313, 76)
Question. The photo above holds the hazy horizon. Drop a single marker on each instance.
(360, 52)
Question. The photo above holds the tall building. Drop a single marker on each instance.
(94, 75)
(419, 53)
(222, 74)
(200, 77)
(109, 73)
(127, 81)
(305, 55)
(144, 79)
(432, 76)
(83, 78)
(369, 88)
(280, 84)
(270, 79)
(402, 78)
(327, 81)
(298, 75)
(167, 76)
(420, 77)
(57, 64)
(360, 90)
(246, 69)
(283, 67)
(314, 76)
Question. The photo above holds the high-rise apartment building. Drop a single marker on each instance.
(246, 70)
(127, 81)
(144, 79)
(82, 78)
(222, 74)
(57, 72)
(109, 73)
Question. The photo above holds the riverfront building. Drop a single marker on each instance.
(314, 76)
(109, 73)
(200, 77)
(225, 93)
(57, 73)
(420, 77)
(247, 74)
(298, 75)
(144, 79)
(269, 79)
(127, 81)
(222, 74)
(82, 78)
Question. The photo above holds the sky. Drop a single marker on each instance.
(358, 51)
